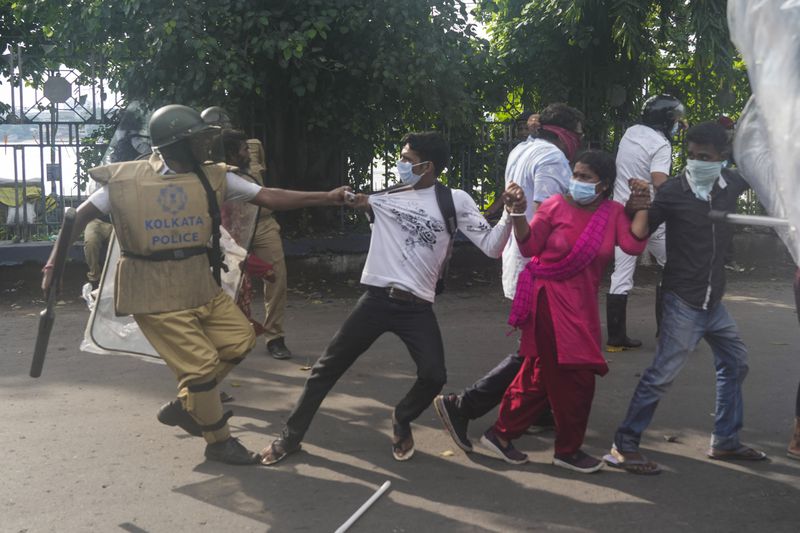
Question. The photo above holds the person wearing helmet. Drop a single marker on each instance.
(266, 244)
(645, 152)
(165, 211)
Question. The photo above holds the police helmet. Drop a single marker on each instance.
(173, 123)
(217, 116)
(661, 112)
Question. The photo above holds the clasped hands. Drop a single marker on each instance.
(514, 200)
(640, 196)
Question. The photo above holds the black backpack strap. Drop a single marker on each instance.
(216, 221)
(444, 197)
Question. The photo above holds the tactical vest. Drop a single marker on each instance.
(154, 216)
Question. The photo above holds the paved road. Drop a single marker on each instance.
(82, 451)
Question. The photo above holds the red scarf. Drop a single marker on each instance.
(581, 255)
(569, 138)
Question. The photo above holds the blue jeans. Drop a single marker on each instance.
(682, 327)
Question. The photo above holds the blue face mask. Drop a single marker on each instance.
(407, 176)
(675, 129)
(582, 192)
(701, 176)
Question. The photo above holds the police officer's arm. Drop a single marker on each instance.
(283, 199)
(86, 212)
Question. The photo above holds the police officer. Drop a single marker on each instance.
(165, 211)
(645, 152)
(266, 244)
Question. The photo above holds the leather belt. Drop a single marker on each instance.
(399, 294)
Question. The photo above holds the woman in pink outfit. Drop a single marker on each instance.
(571, 241)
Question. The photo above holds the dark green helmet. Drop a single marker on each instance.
(173, 123)
(217, 116)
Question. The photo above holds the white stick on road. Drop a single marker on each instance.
(361, 510)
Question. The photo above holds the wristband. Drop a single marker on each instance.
(516, 214)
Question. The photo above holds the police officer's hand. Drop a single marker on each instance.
(341, 196)
(47, 278)
(361, 201)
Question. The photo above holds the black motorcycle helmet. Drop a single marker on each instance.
(661, 112)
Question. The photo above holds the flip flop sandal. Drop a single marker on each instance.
(277, 451)
(640, 467)
(742, 453)
(399, 450)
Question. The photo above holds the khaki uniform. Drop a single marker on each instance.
(268, 246)
(95, 236)
(164, 280)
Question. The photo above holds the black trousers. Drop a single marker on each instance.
(374, 314)
(486, 393)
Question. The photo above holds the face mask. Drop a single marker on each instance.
(404, 171)
(583, 193)
(675, 129)
(701, 176)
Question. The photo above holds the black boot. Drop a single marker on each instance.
(618, 340)
(173, 414)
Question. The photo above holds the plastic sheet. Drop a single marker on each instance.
(767, 139)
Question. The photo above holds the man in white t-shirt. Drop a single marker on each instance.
(541, 167)
(645, 153)
(165, 211)
(409, 246)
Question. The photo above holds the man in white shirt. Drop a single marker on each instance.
(541, 167)
(645, 153)
(409, 246)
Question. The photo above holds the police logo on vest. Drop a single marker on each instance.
(172, 199)
(175, 230)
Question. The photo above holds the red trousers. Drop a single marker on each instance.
(569, 391)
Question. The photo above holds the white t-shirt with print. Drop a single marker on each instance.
(642, 150)
(410, 240)
(541, 170)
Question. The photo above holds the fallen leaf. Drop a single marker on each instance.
(235, 384)
(671, 438)
(447, 453)
(305, 368)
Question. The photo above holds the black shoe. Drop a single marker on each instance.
(173, 414)
(232, 452)
(277, 349)
(455, 424)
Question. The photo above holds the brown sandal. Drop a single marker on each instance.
(632, 462)
(403, 442)
(742, 453)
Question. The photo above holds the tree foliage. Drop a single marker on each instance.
(320, 79)
(605, 56)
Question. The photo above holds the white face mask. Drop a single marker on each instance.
(407, 176)
(702, 175)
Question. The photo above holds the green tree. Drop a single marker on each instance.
(320, 80)
(605, 56)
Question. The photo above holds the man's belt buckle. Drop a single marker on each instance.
(178, 254)
(399, 294)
